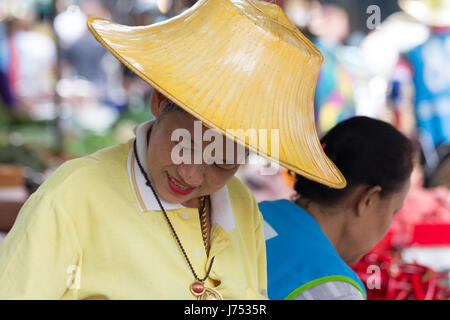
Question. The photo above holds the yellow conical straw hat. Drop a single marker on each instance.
(431, 12)
(234, 64)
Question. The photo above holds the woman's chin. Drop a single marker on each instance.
(167, 195)
(355, 259)
(172, 198)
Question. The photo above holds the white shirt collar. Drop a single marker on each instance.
(221, 209)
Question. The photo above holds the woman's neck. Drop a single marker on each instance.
(331, 220)
(192, 203)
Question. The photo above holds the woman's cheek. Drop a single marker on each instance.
(166, 155)
(388, 224)
(218, 178)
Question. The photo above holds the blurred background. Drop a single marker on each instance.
(62, 95)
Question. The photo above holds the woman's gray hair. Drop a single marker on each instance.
(170, 107)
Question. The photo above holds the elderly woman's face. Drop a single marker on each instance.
(185, 182)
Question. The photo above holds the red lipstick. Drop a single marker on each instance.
(178, 187)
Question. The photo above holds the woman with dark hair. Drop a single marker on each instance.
(310, 240)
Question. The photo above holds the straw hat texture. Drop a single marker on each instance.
(234, 64)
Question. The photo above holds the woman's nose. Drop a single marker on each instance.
(192, 174)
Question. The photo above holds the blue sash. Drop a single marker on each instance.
(299, 255)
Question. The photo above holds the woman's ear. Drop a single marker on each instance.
(157, 103)
(368, 198)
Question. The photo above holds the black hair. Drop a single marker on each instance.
(367, 152)
(170, 107)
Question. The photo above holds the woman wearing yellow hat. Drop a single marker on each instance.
(131, 221)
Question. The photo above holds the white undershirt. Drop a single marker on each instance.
(333, 290)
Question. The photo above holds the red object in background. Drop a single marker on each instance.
(421, 207)
(424, 220)
(398, 280)
(431, 235)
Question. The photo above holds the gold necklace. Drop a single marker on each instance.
(197, 288)
(204, 223)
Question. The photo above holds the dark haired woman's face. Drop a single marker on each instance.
(374, 225)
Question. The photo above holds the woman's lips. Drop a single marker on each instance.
(178, 187)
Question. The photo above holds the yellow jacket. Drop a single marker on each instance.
(93, 230)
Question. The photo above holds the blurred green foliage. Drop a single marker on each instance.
(21, 155)
(88, 142)
(22, 139)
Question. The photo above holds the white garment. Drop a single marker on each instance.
(37, 59)
(333, 290)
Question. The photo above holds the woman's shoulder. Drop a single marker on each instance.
(284, 212)
(243, 202)
(277, 205)
(237, 189)
(88, 171)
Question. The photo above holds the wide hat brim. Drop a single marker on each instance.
(236, 65)
(431, 12)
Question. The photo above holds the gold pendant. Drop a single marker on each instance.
(199, 290)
